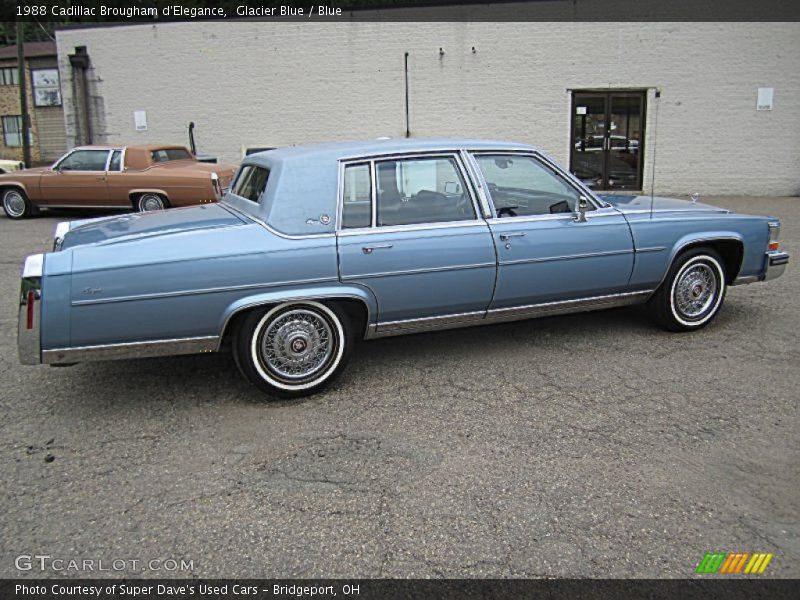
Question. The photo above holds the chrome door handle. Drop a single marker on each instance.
(369, 249)
(504, 237)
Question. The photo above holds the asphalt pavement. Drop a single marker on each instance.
(587, 445)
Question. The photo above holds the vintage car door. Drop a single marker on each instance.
(78, 179)
(410, 232)
(544, 253)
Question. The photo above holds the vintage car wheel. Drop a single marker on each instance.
(692, 293)
(293, 349)
(150, 202)
(17, 205)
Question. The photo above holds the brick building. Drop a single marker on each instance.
(683, 107)
(48, 135)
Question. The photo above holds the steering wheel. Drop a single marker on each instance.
(507, 210)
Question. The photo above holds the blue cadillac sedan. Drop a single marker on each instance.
(316, 247)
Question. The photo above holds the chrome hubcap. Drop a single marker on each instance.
(297, 344)
(14, 204)
(696, 290)
(149, 203)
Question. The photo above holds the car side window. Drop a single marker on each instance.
(421, 190)
(523, 186)
(116, 159)
(251, 183)
(357, 201)
(85, 160)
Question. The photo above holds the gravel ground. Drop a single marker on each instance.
(588, 445)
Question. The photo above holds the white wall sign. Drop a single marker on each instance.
(765, 96)
(140, 120)
(580, 110)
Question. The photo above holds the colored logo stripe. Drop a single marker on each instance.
(733, 562)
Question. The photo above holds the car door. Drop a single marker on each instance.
(410, 232)
(79, 179)
(545, 254)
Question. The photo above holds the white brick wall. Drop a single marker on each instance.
(261, 83)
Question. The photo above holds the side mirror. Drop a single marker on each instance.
(580, 212)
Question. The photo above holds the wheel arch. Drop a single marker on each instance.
(729, 245)
(133, 195)
(357, 303)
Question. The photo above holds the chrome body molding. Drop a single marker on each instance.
(249, 286)
(745, 280)
(515, 313)
(418, 271)
(251, 217)
(29, 339)
(522, 261)
(776, 264)
(193, 345)
(653, 249)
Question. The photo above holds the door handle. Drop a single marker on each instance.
(504, 237)
(369, 249)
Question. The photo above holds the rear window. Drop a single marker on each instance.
(251, 182)
(167, 154)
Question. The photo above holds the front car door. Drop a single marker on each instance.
(79, 179)
(544, 254)
(410, 232)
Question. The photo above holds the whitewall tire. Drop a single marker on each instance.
(293, 349)
(692, 293)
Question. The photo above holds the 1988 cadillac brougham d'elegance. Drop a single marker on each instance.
(317, 246)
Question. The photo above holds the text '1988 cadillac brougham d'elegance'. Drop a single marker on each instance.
(141, 178)
(315, 247)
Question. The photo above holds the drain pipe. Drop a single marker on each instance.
(408, 124)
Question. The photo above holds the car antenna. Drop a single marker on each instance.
(655, 132)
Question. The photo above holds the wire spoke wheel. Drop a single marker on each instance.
(296, 347)
(150, 202)
(695, 290)
(14, 203)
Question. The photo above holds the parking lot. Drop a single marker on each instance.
(587, 445)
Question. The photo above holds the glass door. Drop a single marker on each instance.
(607, 139)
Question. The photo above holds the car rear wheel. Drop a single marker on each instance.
(17, 205)
(150, 202)
(692, 293)
(293, 349)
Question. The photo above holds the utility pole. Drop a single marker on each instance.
(23, 97)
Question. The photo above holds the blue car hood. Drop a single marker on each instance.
(630, 204)
(109, 230)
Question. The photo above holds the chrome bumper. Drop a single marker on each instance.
(29, 344)
(776, 264)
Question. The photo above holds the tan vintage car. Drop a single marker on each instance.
(142, 178)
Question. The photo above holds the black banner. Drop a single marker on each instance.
(388, 589)
(87, 12)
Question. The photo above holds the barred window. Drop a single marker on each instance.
(12, 131)
(9, 76)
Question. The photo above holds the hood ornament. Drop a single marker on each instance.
(695, 198)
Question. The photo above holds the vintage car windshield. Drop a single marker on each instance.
(168, 154)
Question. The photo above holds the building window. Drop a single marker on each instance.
(9, 76)
(46, 87)
(12, 131)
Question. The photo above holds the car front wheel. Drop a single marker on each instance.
(150, 202)
(692, 293)
(17, 205)
(293, 349)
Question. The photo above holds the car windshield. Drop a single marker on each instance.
(167, 154)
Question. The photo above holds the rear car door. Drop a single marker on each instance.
(410, 232)
(79, 179)
(544, 253)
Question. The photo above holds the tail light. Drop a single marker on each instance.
(774, 234)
